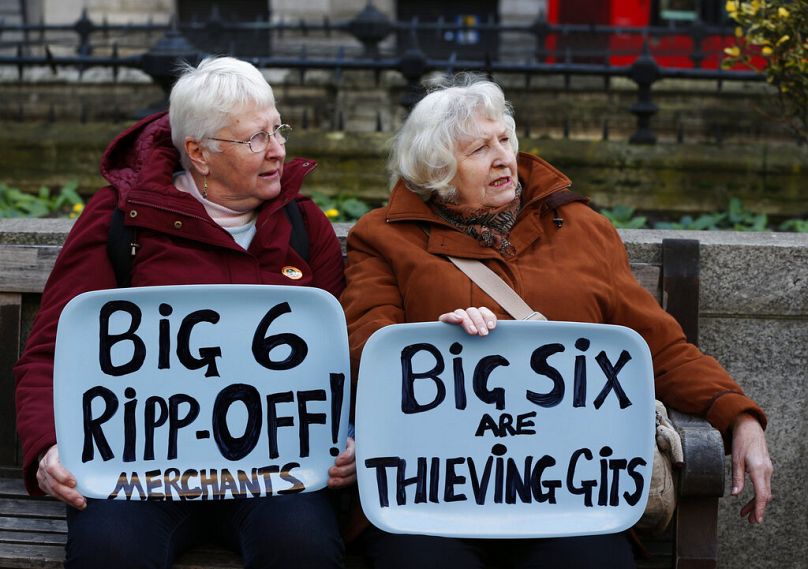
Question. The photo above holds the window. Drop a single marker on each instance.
(677, 10)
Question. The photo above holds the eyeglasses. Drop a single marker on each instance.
(260, 140)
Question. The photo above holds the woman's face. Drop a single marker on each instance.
(486, 167)
(239, 178)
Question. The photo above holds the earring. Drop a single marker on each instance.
(205, 186)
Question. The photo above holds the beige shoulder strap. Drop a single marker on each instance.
(496, 288)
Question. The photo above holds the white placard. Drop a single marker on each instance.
(540, 429)
(201, 392)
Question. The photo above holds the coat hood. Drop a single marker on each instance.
(141, 156)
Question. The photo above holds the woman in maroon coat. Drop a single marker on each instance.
(204, 187)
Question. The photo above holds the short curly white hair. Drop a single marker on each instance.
(422, 152)
(205, 97)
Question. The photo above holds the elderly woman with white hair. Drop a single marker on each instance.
(461, 189)
(206, 189)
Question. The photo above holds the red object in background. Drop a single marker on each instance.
(668, 51)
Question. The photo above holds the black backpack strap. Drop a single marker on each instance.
(557, 199)
(299, 239)
(122, 242)
(121, 247)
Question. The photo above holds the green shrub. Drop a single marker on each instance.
(341, 207)
(45, 203)
(796, 225)
(736, 218)
(622, 217)
(775, 32)
(66, 202)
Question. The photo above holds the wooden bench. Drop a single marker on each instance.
(33, 530)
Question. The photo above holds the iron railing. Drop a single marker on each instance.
(377, 44)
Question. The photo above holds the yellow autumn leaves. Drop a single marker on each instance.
(771, 36)
(759, 17)
(752, 8)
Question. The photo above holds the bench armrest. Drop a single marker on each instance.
(703, 447)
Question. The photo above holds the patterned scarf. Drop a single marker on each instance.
(491, 227)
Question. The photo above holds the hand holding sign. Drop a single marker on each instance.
(54, 480)
(475, 321)
(201, 391)
(343, 473)
(539, 429)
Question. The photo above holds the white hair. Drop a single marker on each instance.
(423, 150)
(204, 99)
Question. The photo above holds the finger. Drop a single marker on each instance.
(52, 467)
(66, 494)
(42, 481)
(348, 456)
(738, 473)
(341, 482)
(467, 322)
(760, 508)
(462, 318)
(748, 511)
(478, 321)
(450, 318)
(342, 471)
(490, 318)
(458, 318)
(339, 477)
(763, 493)
(60, 474)
(345, 460)
(70, 496)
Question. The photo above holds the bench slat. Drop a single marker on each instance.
(25, 537)
(28, 556)
(26, 267)
(13, 488)
(32, 508)
(33, 524)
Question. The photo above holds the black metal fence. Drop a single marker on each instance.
(370, 41)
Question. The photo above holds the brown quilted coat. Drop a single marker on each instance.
(579, 272)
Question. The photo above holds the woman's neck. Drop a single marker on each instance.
(222, 215)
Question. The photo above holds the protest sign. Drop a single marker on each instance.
(540, 429)
(201, 392)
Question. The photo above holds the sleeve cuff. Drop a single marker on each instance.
(725, 410)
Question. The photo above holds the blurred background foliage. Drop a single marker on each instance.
(66, 202)
(775, 32)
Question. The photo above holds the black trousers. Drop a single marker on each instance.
(391, 551)
(282, 532)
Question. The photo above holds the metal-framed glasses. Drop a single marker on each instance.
(259, 142)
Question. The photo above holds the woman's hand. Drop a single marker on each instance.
(475, 321)
(343, 473)
(56, 481)
(751, 456)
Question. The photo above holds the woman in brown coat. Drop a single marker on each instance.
(462, 189)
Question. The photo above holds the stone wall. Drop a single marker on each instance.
(696, 111)
(671, 178)
(754, 320)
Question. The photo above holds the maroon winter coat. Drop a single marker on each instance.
(179, 244)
